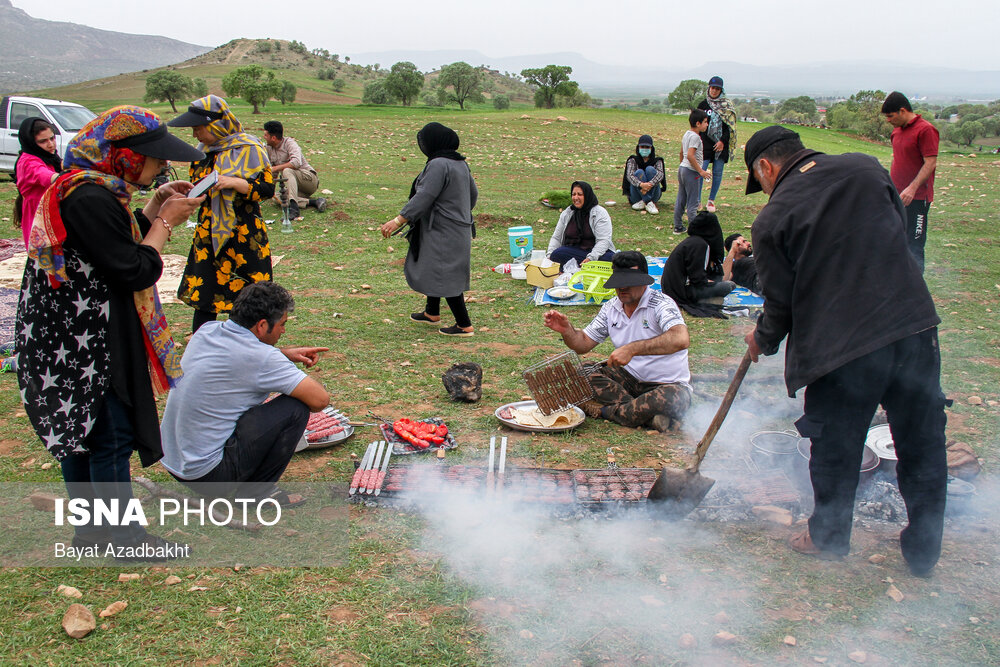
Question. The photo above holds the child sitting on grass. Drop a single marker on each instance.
(690, 170)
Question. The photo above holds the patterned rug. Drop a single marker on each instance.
(8, 313)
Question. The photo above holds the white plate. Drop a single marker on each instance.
(879, 440)
(536, 429)
(560, 293)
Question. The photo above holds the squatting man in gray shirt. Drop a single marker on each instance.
(217, 428)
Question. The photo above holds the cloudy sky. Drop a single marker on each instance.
(677, 34)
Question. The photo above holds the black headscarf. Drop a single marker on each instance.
(578, 232)
(31, 147)
(436, 140)
(706, 225)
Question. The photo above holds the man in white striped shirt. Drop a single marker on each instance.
(645, 380)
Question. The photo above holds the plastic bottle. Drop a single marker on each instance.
(502, 268)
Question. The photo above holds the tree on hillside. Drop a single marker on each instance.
(404, 82)
(687, 94)
(253, 83)
(288, 92)
(168, 86)
(199, 88)
(550, 81)
(465, 82)
(802, 104)
(501, 102)
(375, 92)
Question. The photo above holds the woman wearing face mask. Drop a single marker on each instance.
(93, 343)
(644, 178)
(583, 232)
(35, 170)
(230, 247)
(720, 137)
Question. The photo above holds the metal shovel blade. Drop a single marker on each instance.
(677, 492)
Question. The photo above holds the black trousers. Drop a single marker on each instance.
(916, 228)
(904, 377)
(258, 451)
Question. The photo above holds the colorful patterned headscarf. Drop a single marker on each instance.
(92, 158)
(723, 111)
(237, 154)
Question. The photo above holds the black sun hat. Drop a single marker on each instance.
(195, 117)
(758, 143)
(629, 276)
(159, 143)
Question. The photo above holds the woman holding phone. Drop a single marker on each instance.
(230, 247)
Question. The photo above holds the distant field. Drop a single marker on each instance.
(408, 595)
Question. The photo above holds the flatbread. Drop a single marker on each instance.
(534, 417)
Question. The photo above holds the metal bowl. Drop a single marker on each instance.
(869, 459)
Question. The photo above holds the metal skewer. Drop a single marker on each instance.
(490, 479)
(359, 473)
(369, 482)
(380, 478)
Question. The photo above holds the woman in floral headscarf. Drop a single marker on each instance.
(93, 343)
(720, 137)
(230, 246)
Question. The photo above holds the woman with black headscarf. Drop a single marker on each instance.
(439, 214)
(37, 166)
(583, 232)
(644, 179)
(691, 274)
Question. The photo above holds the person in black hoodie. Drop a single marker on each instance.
(693, 272)
(645, 178)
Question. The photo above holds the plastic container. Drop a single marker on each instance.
(521, 241)
(590, 280)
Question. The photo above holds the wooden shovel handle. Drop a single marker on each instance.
(720, 414)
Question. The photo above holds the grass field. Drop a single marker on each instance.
(481, 585)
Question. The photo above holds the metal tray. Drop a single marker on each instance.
(400, 446)
(584, 477)
(335, 439)
(510, 423)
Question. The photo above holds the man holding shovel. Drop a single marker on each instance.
(860, 336)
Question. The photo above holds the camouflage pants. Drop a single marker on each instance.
(635, 403)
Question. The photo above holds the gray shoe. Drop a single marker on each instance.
(293, 210)
(319, 203)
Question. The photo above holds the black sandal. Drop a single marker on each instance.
(283, 498)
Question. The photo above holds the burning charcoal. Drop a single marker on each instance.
(464, 382)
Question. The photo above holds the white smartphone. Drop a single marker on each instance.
(202, 186)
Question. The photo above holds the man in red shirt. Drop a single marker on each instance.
(914, 158)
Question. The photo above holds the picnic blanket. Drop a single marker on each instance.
(8, 314)
(740, 301)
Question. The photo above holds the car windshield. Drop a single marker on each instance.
(71, 118)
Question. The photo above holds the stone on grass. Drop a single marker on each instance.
(172, 580)
(129, 576)
(45, 502)
(773, 514)
(876, 559)
(69, 591)
(78, 621)
(687, 641)
(724, 638)
(789, 640)
(895, 593)
(464, 382)
(858, 656)
(962, 461)
(113, 608)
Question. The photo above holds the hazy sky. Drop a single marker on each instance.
(677, 34)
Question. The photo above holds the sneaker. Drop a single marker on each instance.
(651, 208)
(319, 203)
(679, 230)
(455, 330)
(424, 318)
(638, 206)
(711, 206)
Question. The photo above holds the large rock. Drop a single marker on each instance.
(78, 622)
(962, 461)
(464, 382)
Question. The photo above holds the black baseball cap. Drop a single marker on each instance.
(159, 143)
(195, 117)
(758, 143)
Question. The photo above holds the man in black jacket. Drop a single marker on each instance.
(860, 336)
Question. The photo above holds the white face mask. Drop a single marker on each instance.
(644, 152)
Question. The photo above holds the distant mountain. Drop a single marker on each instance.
(35, 53)
(826, 79)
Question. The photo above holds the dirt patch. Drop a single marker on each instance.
(988, 361)
(515, 349)
(488, 221)
(488, 608)
(8, 446)
(340, 614)
(340, 216)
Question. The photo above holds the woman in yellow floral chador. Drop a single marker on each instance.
(230, 247)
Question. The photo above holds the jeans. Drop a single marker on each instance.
(646, 176)
(257, 453)
(713, 289)
(905, 378)
(565, 253)
(916, 228)
(688, 196)
(103, 472)
(718, 165)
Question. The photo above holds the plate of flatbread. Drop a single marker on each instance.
(525, 416)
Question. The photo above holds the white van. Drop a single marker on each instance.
(66, 117)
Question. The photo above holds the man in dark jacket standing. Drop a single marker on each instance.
(858, 337)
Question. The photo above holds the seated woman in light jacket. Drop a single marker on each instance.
(583, 232)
